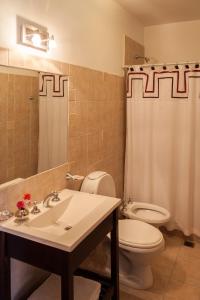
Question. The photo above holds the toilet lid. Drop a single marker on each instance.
(138, 234)
(96, 175)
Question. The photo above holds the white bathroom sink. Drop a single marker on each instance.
(54, 220)
(67, 222)
(64, 214)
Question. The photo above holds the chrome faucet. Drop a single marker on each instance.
(126, 203)
(123, 206)
(53, 196)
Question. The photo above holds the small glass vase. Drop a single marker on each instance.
(22, 214)
(5, 214)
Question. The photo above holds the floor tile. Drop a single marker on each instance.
(125, 296)
(154, 293)
(142, 295)
(181, 291)
(176, 274)
(190, 252)
(187, 270)
(164, 262)
(173, 241)
(173, 246)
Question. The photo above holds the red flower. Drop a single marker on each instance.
(27, 196)
(20, 204)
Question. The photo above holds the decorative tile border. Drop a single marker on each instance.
(57, 85)
(151, 82)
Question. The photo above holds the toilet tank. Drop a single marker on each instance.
(100, 183)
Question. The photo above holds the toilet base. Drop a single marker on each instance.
(135, 270)
(141, 278)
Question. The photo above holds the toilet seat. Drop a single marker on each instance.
(136, 235)
(147, 212)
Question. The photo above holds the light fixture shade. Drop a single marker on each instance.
(32, 34)
(36, 40)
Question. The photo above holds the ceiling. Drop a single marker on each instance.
(153, 12)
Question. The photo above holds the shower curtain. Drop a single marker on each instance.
(53, 120)
(163, 141)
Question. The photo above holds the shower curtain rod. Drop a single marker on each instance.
(162, 64)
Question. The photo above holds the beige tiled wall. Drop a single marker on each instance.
(38, 185)
(96, 120)
(96, 133)
(18, 126)
(132, 48)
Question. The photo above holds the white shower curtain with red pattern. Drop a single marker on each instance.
(53, 120)
(163, 141)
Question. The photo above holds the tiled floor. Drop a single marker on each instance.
(176, 274)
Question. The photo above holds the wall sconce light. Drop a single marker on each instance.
(34, 35)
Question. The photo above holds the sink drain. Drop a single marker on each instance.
(68, 228)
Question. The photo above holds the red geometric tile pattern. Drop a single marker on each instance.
(180, 81)
(56, 84)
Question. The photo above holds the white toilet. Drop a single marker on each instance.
(146, 212)
(139, 242)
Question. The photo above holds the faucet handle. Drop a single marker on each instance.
(123, 206)
(35, 210)
(55, 198)
(130, 200)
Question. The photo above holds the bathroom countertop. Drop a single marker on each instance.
(81, 226)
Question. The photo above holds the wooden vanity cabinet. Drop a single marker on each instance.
(60, 262)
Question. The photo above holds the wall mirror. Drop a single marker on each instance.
(33, 122)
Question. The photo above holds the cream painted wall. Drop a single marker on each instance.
(173, 42)
(88, 33)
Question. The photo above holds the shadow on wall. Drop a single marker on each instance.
(132, 50)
